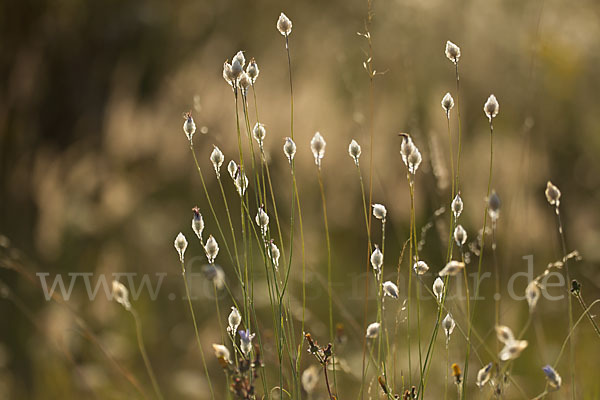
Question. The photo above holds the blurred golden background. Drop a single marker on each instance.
(96, 174)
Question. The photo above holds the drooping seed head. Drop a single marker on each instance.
(284, 25)
(452, 52)
(354, 150)
(390, 289)
(252, 70)
(189, 127)
(420, 267)
(120, 294)
(289, 149)
(259, 132)
(180, 245)
(217, 158)
(197, 222)
(317, 145)
(460, 235)
(554, 379)
(379, 211)
(447, 103)
(373, 330)
(232, 168)
(262, 220)
(494, 205)
(234, 320)
(552, 194)
(246, 341)
(457, 206)
(484, 375)
(491, 107)
(452, 268)
(211, 248)
(377, 259)
(438, 289)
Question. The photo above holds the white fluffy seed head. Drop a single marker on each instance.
(120, 294)
(512, 350)
(552, 194)
(447, 103)
(246, 341)
(221, 352)
(390, 289)
(504, 334)
(491, 107)
(241, 183)
(189, 127)
(232, 169)
(228, 73)
(245, 82)
(406, 148)
(438, 289)
(452, 52)
(197, 222)
(377, 259)
(448, 324)
(483, 375)
(180, 245)
(236, 69)
(259, 132)
(262, 220)
(239, 57)
(452, 268)
(373, 330)
(420, 267)
(275, 254)
(284, 25)
(414, 160)
(532, 294)
(354, 150)
(289, 149)
(217, 158)
(211, 248)
(252, 70)
(457, 206)
(317, 145)
(234, 320)
(460, 235)
(379, 211)
(494, 206)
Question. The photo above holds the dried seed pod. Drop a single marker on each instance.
(317, 145)
(354, 150)
(491, 107)
(289, 149)
(120, 294)
(217, 158)
(284, 25)
(552, 194)
(452, 52)
(180, 245)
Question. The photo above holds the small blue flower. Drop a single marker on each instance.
(553, 377)
(246, 341)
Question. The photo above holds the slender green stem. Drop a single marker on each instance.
(590, 318)
(140, 340)
(459, 128)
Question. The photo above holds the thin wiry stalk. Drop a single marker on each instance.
(459, 127)
(140, 340)
(329, 282)
(584, 306)
(485, 215)
(189, 299)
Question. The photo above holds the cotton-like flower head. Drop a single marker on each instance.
(448, 324)
(491, 107)
(217, 158)
(317, 145)
(234, 320)
(512, 349)
(373, 330)
(246, 341)
(222, 353)
(460, 235)
(244, 82)
(228, 74)
(354, 150)
(236, 69)
(211, 248)
(180, 245)
(120, 294)
(232, 168)
(504, 334)
(552, 194)
(554, 379)
(189, 127)
(438, 289)
(532, 294)
(262, 220)
(284, 25)
(252, 70)
(484, 375)
(239, 57)
(420, 267)
(275, 254)
(457, 206)
(310, 378)
(379, 211)
(406, 147)
(197, 222)
(390, 289)
(289, 149)
(259, 132)
(377, 259)
(447, 103)
(452, 52)
(452, 268)
(241, 183)
(414, 160)
(494, 206)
